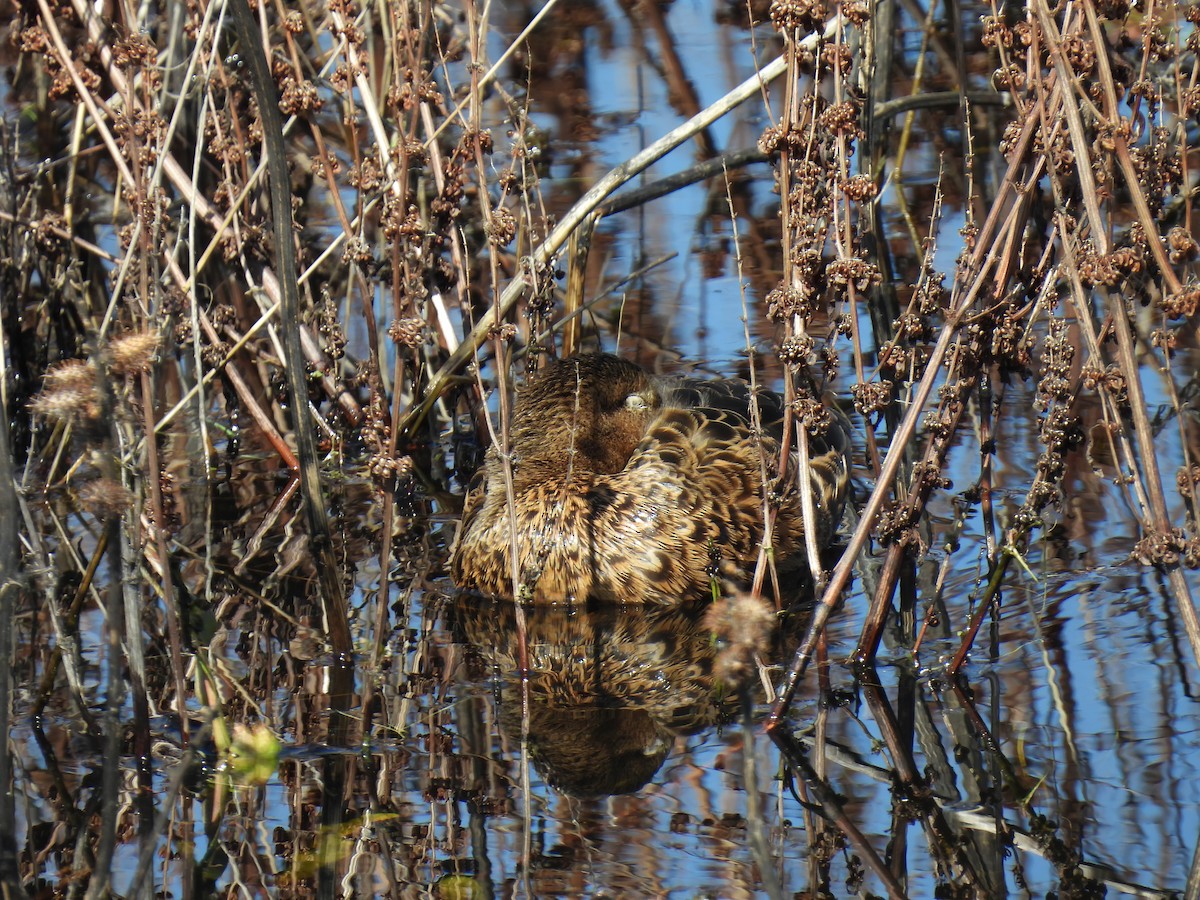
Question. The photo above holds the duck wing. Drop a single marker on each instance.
(724, 395)
(697, 477)
(735, 456)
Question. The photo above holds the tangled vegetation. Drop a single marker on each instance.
(211, 430)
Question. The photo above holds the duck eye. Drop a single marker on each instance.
(636, 402)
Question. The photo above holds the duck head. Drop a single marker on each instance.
(583, 415)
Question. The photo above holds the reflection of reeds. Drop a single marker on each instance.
(160, 360)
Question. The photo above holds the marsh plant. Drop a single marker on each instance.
(270, 273)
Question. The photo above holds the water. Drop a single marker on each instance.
(1062, 758)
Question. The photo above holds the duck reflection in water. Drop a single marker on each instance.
(610, 688)
(636, 488)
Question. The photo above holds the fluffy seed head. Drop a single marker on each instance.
(743, 624)
(68, 392)
(133, 353)
(105, 498)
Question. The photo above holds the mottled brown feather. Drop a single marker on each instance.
(637, 489)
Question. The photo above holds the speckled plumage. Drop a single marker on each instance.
(636, 489)
(605, 690)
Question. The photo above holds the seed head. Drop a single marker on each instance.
(105, 498)
(133, 353)
(743, 624)
(68, 392)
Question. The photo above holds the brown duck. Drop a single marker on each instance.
(634, 488)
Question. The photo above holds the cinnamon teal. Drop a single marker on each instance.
(635, 488)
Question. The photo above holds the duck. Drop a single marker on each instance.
(635, 488)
